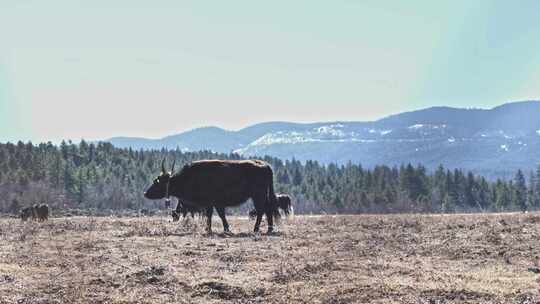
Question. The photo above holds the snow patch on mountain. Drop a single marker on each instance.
(331, 130)
(416, 127)
(333, 133)
(427, 127)
(504, 134)
(281, 138)
(380, 132)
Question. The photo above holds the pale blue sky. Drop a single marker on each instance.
(97, 69)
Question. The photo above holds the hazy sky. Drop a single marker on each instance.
(97, 69)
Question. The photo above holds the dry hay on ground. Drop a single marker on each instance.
(328, 259)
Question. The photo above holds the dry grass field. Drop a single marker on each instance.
(490, 258)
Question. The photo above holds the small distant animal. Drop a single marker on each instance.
(39, 212)
(283, 203)
(26, 213)
(42, 212)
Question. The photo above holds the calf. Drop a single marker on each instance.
(182, 209)
(283, 203)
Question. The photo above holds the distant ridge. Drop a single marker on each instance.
(494, 142)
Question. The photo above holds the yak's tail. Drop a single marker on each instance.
(272, 199)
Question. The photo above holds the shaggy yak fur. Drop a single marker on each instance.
(220, 184)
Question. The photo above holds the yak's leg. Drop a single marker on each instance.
(258, 221)
(209, 212)
(259, 208)
(221, 213)
(269, 218)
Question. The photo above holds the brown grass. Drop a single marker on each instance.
(328, 259)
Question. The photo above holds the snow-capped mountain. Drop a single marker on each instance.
(494, 142)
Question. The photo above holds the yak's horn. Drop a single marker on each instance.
(172, 169)
(163, 165)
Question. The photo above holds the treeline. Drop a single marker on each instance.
(102, 177)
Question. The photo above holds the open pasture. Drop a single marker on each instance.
(484, 258)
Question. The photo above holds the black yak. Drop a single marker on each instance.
(220, 184)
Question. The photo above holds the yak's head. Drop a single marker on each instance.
(160, 186)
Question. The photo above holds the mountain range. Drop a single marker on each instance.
(493, 142)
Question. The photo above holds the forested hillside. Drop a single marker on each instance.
(102, 177)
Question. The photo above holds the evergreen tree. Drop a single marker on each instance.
(536, 191)
(520, 191)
